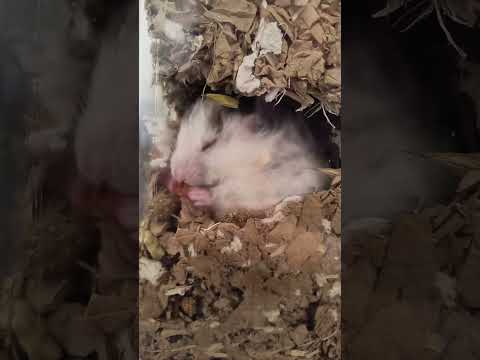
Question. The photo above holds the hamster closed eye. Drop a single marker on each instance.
(208, 144)
(198, 133)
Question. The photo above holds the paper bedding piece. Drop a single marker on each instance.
(237, 48)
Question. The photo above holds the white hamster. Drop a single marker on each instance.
(231, 160)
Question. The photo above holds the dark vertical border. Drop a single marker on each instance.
(68, 237)
(408, 258)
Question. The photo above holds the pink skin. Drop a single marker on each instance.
(198, 195)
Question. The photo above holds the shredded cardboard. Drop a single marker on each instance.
(269, 38)
(233, 277)
(240, 48)
(240, 14)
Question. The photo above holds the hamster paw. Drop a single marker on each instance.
(200, 197)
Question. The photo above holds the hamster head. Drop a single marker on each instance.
(198, 133)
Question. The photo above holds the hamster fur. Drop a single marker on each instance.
(233, 161)
(199, 129)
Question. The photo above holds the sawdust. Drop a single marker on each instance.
(251, 285)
